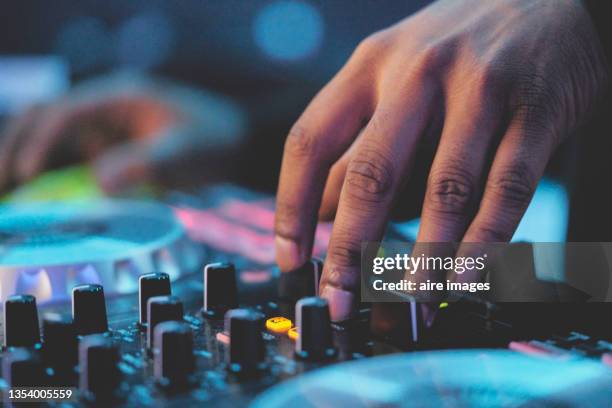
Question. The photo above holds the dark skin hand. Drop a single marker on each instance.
(505, 81)
(131, 129)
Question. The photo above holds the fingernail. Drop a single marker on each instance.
(341, 303)
(288, 254)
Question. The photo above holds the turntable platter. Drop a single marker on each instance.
(457, 378)
(48, 247)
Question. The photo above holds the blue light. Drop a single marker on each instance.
(288, 30)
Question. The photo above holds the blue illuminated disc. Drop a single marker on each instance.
(48, 247)
(457, 378)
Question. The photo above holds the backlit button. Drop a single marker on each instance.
(278, 325)
(292, 333)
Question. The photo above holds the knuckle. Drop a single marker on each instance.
(372, 44)
(369, 177)
(433, 57)
(513, 186)
(301, 143)
(451, 191)
(533, 99)
(345, 253)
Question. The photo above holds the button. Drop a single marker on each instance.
(99, 375)
(278, 325)
(173, 356)
(149, 285)
(89, 309)
(292, 333)
(314, 340)
(22, 368)
(246, 349)
(162, 309)
(21, 321)
(301, 282)
(220, 290)
(60, 348)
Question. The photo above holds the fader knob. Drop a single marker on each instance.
(220, 290)
(21, 321)
(22, 368)
(60, 344)
(99, 374)
(89, 309)
(246, 348)
(401, 323)
(314, 330)
(162, 309)
(149, 285)
(173, 354)
(301, 282)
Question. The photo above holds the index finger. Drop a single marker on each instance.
(319, 137)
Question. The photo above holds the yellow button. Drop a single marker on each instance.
(293, 333)
(278, 325)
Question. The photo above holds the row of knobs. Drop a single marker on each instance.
(169, 339)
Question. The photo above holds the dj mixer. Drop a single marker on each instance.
(180, 304)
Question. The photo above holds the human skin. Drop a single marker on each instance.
(499, 84)
(130, 128)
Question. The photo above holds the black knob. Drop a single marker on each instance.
(149, 285)
(22, 368)
(89, 309)
(99, 374)
(314, 340)
(301, 282)
(246, 348)
(173, 354)
(60, 344)
(401, 324)
(162, 309)
(21, 321)
(220, 290)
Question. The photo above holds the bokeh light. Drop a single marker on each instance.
(85, 43)
(288, 30)
(145, 40)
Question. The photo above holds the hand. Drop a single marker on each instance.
(132, 129)
(501, 83)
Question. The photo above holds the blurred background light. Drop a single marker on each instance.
(288, 30)
(145, 40)
(85, 43)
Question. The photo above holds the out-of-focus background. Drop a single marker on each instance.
(268, 58)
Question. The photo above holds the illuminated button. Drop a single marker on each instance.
(278, 325)
(293, 333)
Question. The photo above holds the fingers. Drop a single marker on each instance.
(375, 172)
(320, 136)
(519, 163)
(333, 187)
(14, 136)
(53, 140)
(124, 166)
(456, 173)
